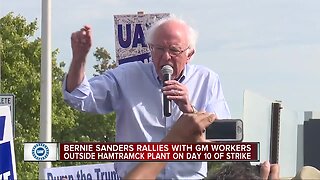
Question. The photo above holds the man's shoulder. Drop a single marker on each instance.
(135, 66)
(200, 70)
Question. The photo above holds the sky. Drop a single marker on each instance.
(270, 47)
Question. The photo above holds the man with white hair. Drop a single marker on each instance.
(134, 91)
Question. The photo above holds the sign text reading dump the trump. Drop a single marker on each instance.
(244, 151)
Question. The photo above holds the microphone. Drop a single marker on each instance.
(166, 71)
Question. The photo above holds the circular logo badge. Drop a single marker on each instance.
(40, 151)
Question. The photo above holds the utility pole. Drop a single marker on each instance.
(46, 81)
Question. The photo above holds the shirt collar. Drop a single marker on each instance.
(180, 79)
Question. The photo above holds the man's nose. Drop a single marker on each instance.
(166, 55)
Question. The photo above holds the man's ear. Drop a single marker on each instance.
(190, 54)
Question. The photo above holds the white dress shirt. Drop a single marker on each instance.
(133, 91)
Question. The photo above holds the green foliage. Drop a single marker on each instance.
(104, 61)
(213, 167)
(20, 58)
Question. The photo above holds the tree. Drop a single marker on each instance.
(20, 55)
(20, 61)
(104, 61)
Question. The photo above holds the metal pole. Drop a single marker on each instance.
(46, 81)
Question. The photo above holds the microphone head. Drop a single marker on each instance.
(167, 69)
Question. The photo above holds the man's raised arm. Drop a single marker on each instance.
(81, 42)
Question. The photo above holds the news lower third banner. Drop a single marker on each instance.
(243, 151)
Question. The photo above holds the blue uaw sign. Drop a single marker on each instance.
(130, 36)
(9, 100)
(7, 157)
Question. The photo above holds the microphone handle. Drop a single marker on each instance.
(167, 107)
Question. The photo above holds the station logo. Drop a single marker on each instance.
(40, 151)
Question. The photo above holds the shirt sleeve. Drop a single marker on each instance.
(217, 103)
(95, 95)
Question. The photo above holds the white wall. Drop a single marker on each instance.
(257, 124)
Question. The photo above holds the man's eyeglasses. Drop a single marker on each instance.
(172, 50)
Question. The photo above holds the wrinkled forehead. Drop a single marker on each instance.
(171, 33)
